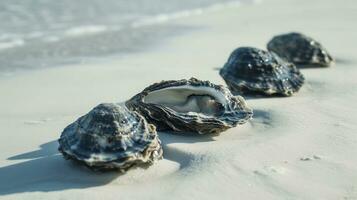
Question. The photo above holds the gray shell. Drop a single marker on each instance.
(251, 71)
(300, 50)
(111, 137)
(190, 106)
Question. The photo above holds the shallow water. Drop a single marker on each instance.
(42, 33)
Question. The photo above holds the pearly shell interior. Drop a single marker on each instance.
(186, 99)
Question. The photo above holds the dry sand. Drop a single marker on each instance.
(300, 147)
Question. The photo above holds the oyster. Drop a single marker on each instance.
(300, 50)
(251, 70)
(111, 137)
(190, 106)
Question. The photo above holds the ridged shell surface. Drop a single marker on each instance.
(190, 106)
(255, 71)
(300, 50)
(111, 137)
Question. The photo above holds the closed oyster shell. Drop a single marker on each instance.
(190, 106)
(111, 137)
(300, 50)
(251, 70)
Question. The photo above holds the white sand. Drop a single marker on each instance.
(301, 147)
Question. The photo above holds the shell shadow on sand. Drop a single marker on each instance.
(251, 96)
(345, 61)
(45, 170)
(175, 154)
(262, 120)
(46, 150)
(48, 171)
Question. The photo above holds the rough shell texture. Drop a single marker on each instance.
(251, 70)
(111, 137)
(300, 50)
(190, 106)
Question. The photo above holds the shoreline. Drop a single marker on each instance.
(299, 147)
(99, 43)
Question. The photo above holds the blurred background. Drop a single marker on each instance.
(42, 33)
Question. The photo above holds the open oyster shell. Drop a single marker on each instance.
(251, 70)
(300, 50)
(190, 106)
(111, 137)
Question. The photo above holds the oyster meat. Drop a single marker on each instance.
(251, 70)
(300, 50)
(111, 137)
(190, 106)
